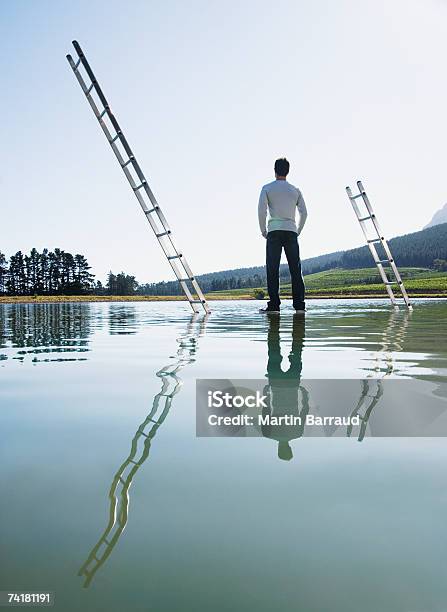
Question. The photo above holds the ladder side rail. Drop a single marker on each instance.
(400, 282)
(373, 216)
(384, 244)
(372, 248)
(136, 189)
(405, 295)
(143, 205)
(109, 136)
(181, 278)
(379, 232)
(189, 274)
(354, 206)
(168, 252)
(198, 291)
(120, 135)
(392, 261)
(383, 275)
(361, 220)
(364, 230)
(363, 194)
(145, 209)
(107, 110)
(382, 239)
(101, 96)
(394, 269)
(129, 175)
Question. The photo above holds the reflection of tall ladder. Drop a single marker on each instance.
(365, 216)
(136, 178)
(140, 447)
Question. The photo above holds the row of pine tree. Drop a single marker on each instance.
(46, 273)
(59, 272)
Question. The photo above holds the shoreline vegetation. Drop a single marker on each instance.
(335, 283)
(55, 299)
(60, 276)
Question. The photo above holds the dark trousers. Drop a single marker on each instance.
(276, 242)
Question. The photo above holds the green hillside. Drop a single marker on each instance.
(364, 281)
(418, 251)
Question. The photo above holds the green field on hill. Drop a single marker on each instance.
(364, 281)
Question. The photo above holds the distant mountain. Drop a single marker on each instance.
(418, 249)
(439, 217)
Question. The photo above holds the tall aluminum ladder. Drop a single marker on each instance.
(368, 221)
(136, 178)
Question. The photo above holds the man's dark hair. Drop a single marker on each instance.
(282, 167)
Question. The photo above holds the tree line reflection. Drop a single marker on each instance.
(45, 332)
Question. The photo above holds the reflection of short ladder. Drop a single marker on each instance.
(136, 178)
(140, 447)
(365, 216)
(365, 397)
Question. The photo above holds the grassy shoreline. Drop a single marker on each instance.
(60, 299)
(330, 284)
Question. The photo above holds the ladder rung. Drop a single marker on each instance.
(366, 218)
(197, 301)
(382, 261)
(151, 211)
(175, 256)
(89, 89)
(139, 186)
(106, 110)
(359, 195)
(118, 134)
(130, 160)
(376, 240)
(183, 280)
(163, 233)
(396, 282)
(77, 64)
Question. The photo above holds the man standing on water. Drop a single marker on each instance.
(282, 200)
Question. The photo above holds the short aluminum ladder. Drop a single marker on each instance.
(137, 180)
(368, 222)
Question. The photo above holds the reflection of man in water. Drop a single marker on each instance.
(283, 389)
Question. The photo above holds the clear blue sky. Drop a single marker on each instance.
(209, 94)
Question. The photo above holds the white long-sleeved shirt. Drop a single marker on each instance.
(282, 200)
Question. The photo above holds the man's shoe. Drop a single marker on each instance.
(267, 309)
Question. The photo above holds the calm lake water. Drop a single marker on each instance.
(109, 499)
